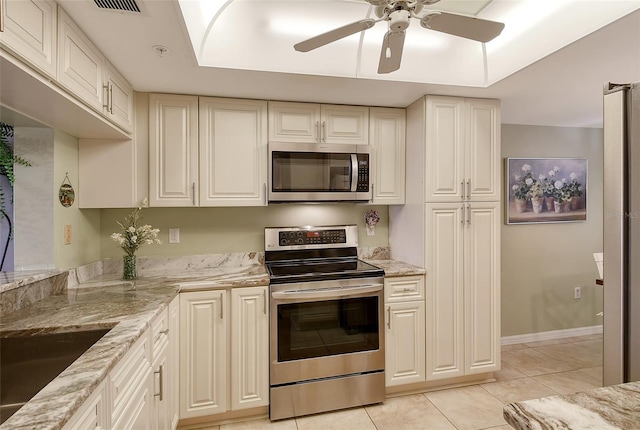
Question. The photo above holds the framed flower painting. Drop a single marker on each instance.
(545, 190)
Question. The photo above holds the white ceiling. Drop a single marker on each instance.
(562, 89)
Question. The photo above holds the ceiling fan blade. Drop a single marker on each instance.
(333, 35)
(391, 52)
(468, 27)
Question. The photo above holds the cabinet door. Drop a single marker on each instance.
(482, 287)
(30, 30)
(444, 171)
(93, 414)
(482, 151)
(161, 407)
(344, 124)
(118, 95)
(294, 122)
(249, 347)
(80, 63)
(173, 150)
(173, 366)
(387, 136)
(405, 343)
(203, 353)
(445, 299)
(233, 152)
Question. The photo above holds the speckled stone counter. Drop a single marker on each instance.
(607, 408)
(127, 308)
(397, 268)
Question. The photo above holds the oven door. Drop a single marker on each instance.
(309, 172)
(326, 329)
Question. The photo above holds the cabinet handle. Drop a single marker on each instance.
(221, 307)
(107, 96)
(264, 187)
(165, 331)
(318, 131)
(462, 208)
(264, 302)
(469, 189)
(469, 214)
(193, 192)
(1, 17)
(324, 133)
(160, 372)
(462, 190)
(389, 317)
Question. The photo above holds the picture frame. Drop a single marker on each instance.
(545, 190)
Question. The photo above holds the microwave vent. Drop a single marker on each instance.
(121, 5)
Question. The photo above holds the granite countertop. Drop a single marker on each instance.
(607, 408)
(12, 280)
(125, 307)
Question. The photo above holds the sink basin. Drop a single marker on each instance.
(29, 363)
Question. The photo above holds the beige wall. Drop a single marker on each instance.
(85, 224)
(219, 230)
(542, 263)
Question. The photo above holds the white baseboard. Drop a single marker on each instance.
(550, 335)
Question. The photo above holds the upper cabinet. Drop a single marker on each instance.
(313, 123)
(84, 71)
(387, 136)
(173, 150)
(233, 152)
(462, 149)
(30, 28)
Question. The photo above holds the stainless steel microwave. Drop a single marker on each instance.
(312, 172)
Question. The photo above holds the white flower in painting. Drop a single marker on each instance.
(542, 177)
(526, 168)
(514, 188)
(564, 180)
(573, 176)
(529, 181)
(556, 169)
(552, 173)
(517, 177)
(558, 185)
(580, 188)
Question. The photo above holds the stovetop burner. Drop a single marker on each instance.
(301, 254)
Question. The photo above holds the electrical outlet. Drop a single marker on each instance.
(174, 235)
(67, 234)
(577, 292)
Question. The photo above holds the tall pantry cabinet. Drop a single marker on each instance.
(450, 225)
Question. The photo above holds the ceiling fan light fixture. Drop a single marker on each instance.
(399, 20)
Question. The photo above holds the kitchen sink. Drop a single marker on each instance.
(29, 363)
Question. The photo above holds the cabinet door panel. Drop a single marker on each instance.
(249, 348)
(30, 28)
(345, 124)
(387, 136)
(444, 174)
(444, 254)
(173, 150)
(294, 122)
(483, 151)
(405, 343)
(482, 288)
(119, 106)
(233, 152)
(203, 347)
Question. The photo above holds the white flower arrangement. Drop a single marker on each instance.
(131, 237)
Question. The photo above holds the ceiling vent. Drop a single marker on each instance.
(121, 5)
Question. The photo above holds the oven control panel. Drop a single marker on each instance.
(312, 237)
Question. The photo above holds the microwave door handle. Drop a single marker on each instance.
(354, 172)
(327, 293)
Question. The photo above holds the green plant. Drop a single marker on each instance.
(7, 160)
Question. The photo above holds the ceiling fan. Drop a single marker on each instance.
(398, 13)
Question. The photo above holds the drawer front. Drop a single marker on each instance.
(405, 288)
(159, 332)
(129, 374)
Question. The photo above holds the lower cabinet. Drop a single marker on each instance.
(164, 331)
(405, 330)
(93, 414)
(211, 324)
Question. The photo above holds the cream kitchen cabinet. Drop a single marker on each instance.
(314, 123)
(164, 332)
(87, 74)
(462, 149)
(212, 323)
(30, 31)
(387, 136)
(405, 330)
(233, 152)
(93, 414)
(173, 150)
(463, 299)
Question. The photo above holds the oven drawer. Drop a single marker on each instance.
(404, 288)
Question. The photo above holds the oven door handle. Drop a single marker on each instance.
(327, 293)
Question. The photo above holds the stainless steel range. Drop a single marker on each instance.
(327, 342)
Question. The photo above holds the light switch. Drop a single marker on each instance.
(174, 235)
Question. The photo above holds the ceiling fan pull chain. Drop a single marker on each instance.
(387, 52)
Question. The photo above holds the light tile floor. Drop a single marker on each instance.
(529, 371)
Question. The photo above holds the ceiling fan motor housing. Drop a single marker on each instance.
(399, 20)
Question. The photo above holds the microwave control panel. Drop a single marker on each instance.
(363, 173)
(312, 237)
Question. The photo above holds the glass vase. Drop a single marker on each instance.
(129, 267)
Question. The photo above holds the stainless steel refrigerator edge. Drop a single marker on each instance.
(621, 242)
